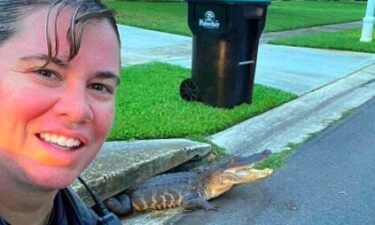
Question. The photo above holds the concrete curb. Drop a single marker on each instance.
(295, 121)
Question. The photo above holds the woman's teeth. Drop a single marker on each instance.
(60, 140)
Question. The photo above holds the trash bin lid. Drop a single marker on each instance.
(231, 1)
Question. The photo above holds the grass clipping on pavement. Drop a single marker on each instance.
(148, 105)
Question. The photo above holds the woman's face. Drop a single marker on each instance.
(55, 119)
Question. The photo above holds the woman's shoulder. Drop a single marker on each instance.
(76, 209)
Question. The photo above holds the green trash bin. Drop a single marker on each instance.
(225, 44)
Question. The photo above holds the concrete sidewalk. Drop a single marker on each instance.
(328, 82)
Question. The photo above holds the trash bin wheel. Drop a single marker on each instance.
(189, 90)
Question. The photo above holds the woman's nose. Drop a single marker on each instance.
(74, 107)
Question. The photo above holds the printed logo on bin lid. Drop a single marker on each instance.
(209, 21)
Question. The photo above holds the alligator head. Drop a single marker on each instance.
(238, 170)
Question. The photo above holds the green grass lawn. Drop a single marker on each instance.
(172, 16)
(343, 40)
(149, 106)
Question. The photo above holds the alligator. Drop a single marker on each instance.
(191, 190)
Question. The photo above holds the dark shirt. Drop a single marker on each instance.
(69, 209)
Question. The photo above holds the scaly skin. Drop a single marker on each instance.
(189, 189)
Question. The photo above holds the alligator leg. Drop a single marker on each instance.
(194, 201)
(120, 205)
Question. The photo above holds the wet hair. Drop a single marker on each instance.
(13, 11)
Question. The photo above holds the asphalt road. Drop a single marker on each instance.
(329, 180)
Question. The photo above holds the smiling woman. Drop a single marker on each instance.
(59, 70)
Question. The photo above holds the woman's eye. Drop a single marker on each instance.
(102, 88)
(47, 74)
